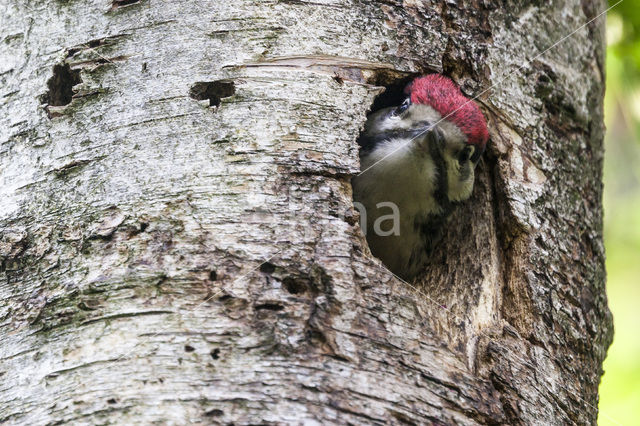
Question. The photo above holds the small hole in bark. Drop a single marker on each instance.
(213, 275)
(267, 268)
(143, 226)
(269, 307)
(189, 348)
(293, 286)
(61, 85)
(214, 413)
(120, 3)
(73, 51)
(214, 91)
(215, 354)
(111, 401)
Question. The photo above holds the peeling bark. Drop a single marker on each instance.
(178, 241)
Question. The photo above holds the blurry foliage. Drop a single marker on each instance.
(620, 387)
(623, 32)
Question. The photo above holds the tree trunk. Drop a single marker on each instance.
(178, 242)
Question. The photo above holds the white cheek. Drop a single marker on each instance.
(389, 123)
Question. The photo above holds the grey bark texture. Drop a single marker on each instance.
(177, 237)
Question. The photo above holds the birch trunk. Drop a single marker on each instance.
(177, 237)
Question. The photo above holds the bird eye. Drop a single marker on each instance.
(402, 108)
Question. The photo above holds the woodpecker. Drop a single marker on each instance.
(417, 161)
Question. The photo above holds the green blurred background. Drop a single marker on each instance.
(620, 386)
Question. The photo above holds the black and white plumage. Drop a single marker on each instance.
(419, 157)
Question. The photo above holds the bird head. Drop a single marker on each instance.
(441, 122)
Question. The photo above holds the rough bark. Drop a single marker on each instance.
(177, 236)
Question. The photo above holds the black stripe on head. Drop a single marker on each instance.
(369, 142)
(435, 152)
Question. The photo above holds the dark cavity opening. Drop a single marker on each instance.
(267, 268)
(189, 348)
(120, 3)
(269, 307)
(293, 286)
(393, 94)
(61, 85)
(213, 275)
(214, 91)
(215, 354)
